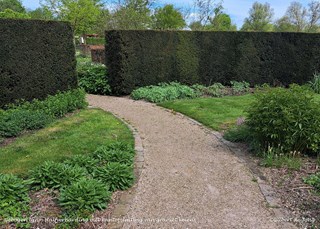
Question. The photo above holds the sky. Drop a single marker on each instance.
(237, 9)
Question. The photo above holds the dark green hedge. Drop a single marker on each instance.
(37, 58)
(140, 58)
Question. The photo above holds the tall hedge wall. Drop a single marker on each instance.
(37, 58)
(140, 58)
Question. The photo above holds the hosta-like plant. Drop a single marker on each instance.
(56, 175)
(84, 161)
(107, 154)
(118, 176)
(14, 197)
(85, 194)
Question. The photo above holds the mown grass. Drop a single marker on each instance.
(216, 113)
(80, 133)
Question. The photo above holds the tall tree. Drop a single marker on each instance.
(260, 18)
(42, 13)
(82, 14)
(131, 14)
(300, 19)
(8, 13)
(168, 17)
(14, 5)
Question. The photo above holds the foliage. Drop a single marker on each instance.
(299, 18)
(82, 14)
(83, 161)
(239, 87)
(315, 83)
(95, 41)
(13, 5)
(55, 175)
(14, 198)
(118, 176)
(215, 90)
(168, 17)
(92, 78)
(260, 18)
(14, 121)
(8, 13)
(105, 154)
(84, 195)
(164, 92)
(239, 133)
(313, 180)
(37, 114)
(286, 119)
(41, 13)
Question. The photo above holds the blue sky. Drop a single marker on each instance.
(238, 9)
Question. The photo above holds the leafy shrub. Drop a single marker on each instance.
(83, 161)
(14, 198)
(56, 175)
(286, 119)
(238, 134)
(107, 154)
(215, 90)
(85, 194)
(313, 180)
(315, 83)
(164, 92)
(239, 87)
(92, 78)
(118, 176)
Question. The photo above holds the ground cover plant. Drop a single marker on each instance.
(92, 76)
(54, 158)
(39, 113)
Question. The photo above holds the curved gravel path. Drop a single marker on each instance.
(190, 179)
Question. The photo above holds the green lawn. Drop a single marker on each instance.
(81, 133)
(217, 113)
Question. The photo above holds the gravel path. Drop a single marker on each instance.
(190, 179)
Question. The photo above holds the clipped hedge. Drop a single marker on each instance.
(141, 58)
(37, 59)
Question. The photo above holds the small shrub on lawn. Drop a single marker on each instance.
(83, 161)
(238, 134)
(215, 90)
(313, 180)
(56, 175)
(286, 119)
(14, 198)
(315, 83)
(84, 195)
(164, 92)
(239, 87)
(92, 78)
(118, 176)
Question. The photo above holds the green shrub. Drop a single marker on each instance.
(107, 154)
(164, 92)
(84, 194)
(286, 119)
(84, 161)
(92, 78)
(239, 87)
(118, 176)
(215, 90)
(56, 175)
(313, 180)
(315, 83)
(14, 197)
(238, 134)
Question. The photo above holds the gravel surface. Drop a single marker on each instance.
(190, 179)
